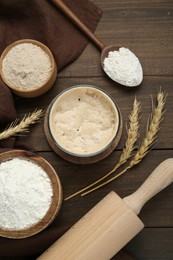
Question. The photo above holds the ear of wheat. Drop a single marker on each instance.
(153, 128)
(132, 135)
(17, 127)
(149, 139)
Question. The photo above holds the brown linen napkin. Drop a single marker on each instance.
(7, 114)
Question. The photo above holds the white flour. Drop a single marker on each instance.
(123, 67)
(26, 65)
(25, 194)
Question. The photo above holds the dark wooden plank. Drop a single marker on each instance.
(122, 95)
(17, 257)
(152, 244)
(146, 27)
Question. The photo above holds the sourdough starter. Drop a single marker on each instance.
(83, 120)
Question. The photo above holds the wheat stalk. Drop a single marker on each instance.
(151, 135)
(17, 127)
(132, 135)
(153, 128)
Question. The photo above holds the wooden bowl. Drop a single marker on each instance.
(76, 157)
(56, 198)
(34, 91)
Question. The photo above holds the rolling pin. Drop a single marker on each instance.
(111, 224)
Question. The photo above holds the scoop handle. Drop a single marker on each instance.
(159, 179)
(76, 20)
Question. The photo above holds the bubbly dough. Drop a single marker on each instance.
(83, 120)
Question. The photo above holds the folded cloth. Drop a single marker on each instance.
(40, 20)
(7, 114)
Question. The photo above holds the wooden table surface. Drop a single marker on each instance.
(145, 27)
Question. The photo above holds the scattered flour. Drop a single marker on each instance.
(26, 65)
(25, 194)
(84, 120)
(123, 67)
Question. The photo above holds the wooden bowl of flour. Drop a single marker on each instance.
(28, 68)
(31, 194)
(83, 124)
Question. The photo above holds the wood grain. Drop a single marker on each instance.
(146, 27)
(155, 243)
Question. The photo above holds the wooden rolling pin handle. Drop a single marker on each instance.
(159, 179)
(64, 8)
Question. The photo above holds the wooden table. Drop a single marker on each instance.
(145, 27)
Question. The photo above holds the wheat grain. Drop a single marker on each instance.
(153, 128)
(151, 135)
(132, 135)
(17, 127)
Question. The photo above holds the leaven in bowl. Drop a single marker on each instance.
(83, 124)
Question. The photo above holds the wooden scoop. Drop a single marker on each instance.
(111, 224)
(84, 29)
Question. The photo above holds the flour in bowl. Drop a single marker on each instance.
(25, 194)
(26, 65)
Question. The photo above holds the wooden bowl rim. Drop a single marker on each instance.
(56, 198)
(44, 48)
